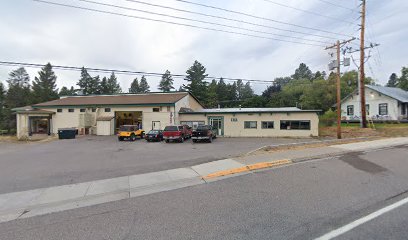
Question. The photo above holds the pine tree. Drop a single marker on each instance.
(85, 82)
(247, 92)
(144, 86)
(166, 83)
(94, 86)
(392, 82)
(113, 85)
(303, 72)
(44, 86)
(232, 95)
(212, 99)
(134, 87)
(240, 88)
(222, 91)
(103, 88)
(196, 84)
(67, 92)
(403, 80)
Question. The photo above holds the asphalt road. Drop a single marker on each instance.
(36, 165)
(299, 201)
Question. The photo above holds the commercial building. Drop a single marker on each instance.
(382, 103)
(102, 115)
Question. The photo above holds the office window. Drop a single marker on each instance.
(350, 110)
(82, 110)
(71, 110)
(156, 109)
(250, 124)
(267, 125)
(107, 109)
(383, 109)
(59, 110)
(295, 125)
(93, 109)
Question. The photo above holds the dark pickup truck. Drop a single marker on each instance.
(204, 133)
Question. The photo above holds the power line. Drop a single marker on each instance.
(226, 18)
(262, 18)
(199, 21)
(306, 11)
(174, 23)
(126, 72)
(337, 5)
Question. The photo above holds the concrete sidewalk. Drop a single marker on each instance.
(53, 199)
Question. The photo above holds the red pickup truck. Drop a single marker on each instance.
(176, 133)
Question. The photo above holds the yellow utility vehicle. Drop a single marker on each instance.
(130, 132)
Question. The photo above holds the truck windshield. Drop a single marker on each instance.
(171, 128)
(127, 128)
(202, 127)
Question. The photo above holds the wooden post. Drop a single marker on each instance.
(362, 60)
(338, 92)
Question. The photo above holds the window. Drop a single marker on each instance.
(234, 119)
(71, 110)
(59, 110)
(82, 110)
(383, 109)
(367, 109)
(403, 109)
(192, 124)
(168, 109)
(156, 109)
(93, 109)
(267, 125)
(295, 125)
(107, 109)
(350, 110)
(250, 124)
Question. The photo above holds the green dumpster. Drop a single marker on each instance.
(67, 133)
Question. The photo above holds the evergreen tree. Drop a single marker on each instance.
(94, 86)
(113, 85)
(144, 86)
(232, 94)
(2, 106)
(134, 87)
(247, 92)
(403, 80)
(196, 84)
(303, 72)
(240, 88)
(212, 99)
(84, 81)
(166, 83)
(222, 91)
(104, 88)
(392, 82)
(181, 89)
(44, 86)
(67, 92)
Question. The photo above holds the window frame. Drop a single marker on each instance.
(156, 109)
(93, 109)
(262, 124)
(380, 105)
(350, 109)
(71, 110)
(82, 110)
(107, 110)
(250, 127)
(59, 110)
(298, 126)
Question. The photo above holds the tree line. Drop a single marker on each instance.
(304, 89)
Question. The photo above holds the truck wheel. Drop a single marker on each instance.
(132, 137)
(167, 141)
(194, 140)
(142, 135)
(182, 139)
(120, 139)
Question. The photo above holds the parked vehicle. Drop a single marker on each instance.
(176, 133)
(154, 135)
(130, 132)
(204, 133)
(189, 131)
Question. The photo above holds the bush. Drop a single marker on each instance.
(328, 118)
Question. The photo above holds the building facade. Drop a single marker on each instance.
(382, 103)
(103, 115)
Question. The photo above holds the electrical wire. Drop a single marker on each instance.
(174, 23)
(257, 17)
(226, 18)
(200, 21)
(337, 5)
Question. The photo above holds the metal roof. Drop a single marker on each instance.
(249, 110)
(128, 99)
(396, 93)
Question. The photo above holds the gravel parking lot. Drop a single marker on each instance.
(27, 166)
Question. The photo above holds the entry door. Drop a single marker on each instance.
(217, 123)
(156, 125)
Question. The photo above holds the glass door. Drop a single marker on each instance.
(218, 124)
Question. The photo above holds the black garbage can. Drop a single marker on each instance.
(67, 133)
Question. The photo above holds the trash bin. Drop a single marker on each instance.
(67, 133)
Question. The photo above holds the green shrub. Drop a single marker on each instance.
(328, 118)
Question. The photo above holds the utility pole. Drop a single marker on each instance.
(338, 90)
(362, 61)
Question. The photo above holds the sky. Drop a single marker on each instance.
(35, 32)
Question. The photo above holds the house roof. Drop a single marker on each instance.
(29, 109)
(128, 99)
(248, 110)
(396, 93)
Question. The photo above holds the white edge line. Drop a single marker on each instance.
(337, 232)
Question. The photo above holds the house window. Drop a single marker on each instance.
(93, 109)
(350, 110)
(367, 109)
(107, 109)
(267, 125)
(295, 125)
(250, 124)
(383, 109)
(82, 110)
(403, 109)
(168, 109)
(71, 110)
(59, 110)
(156, 109)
